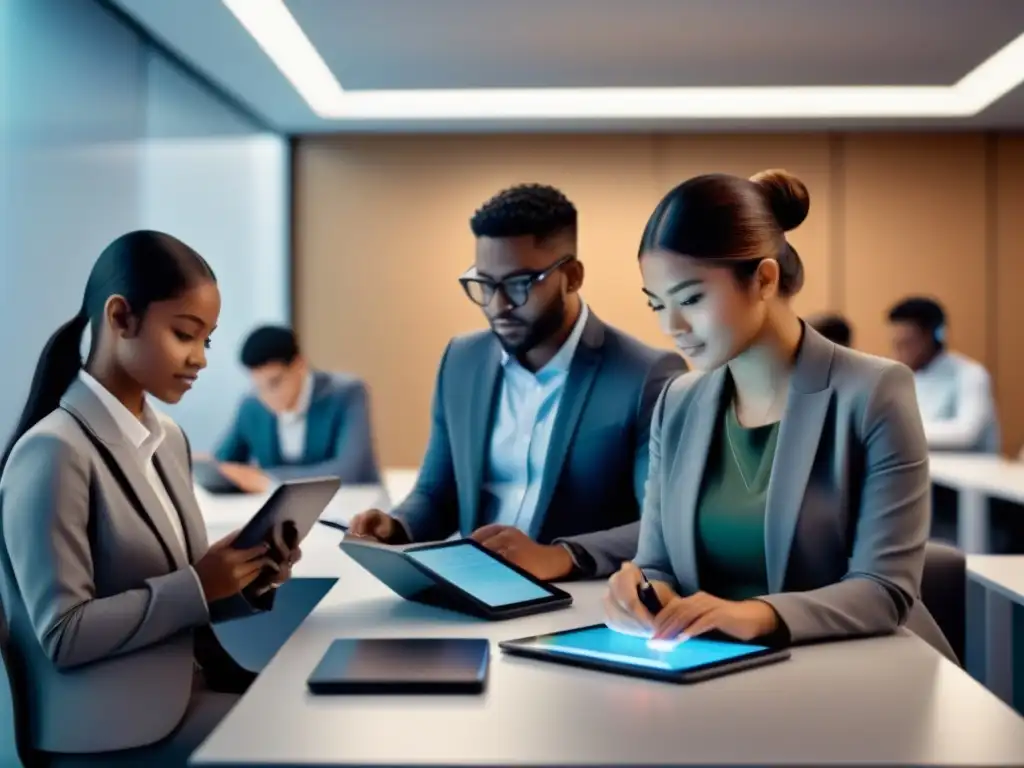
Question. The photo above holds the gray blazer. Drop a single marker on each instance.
(848, 505)
(593, 481)
(102, 607)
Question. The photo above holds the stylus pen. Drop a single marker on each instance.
(645, 591)
(333, 524)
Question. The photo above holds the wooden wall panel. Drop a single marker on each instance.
(915, 223)
(381, 232)
(1008, 285)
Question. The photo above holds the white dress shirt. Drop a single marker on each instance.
(954, 394)
(523, 422)
(146, 436)
(291, 425)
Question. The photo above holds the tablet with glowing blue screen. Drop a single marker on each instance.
(458, 575)
(599, 647)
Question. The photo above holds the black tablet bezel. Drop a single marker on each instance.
(556, 597)
(283, 488)
(520, 647)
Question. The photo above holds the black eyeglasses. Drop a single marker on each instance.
(516, 288)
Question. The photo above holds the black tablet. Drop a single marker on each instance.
(208, 476)
(459, 575)
(602, 648)
(297, 502)
(403, 665)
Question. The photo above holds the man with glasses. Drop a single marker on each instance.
(538, 447)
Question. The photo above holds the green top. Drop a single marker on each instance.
(731, 509)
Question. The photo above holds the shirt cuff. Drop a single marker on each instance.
(405, 527)
(582, 563)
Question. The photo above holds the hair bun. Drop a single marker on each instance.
(787, 196)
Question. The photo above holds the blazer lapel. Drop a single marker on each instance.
(179, 488)
(578, 383)
(268, 430)
(485, 381)
(799, 434)
(691, 457)
(318, 423)
(81, 402)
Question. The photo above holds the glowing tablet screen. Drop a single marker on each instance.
(608, 645)
(479, 574)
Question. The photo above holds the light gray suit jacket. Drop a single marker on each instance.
(848, 503)
(101, 603)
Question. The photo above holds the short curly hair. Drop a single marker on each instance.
(525, 209)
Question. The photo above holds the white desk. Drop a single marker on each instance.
(890, 701)
(225, 514)
(975, 477)
(996, 607)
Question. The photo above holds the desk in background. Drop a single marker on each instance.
(976, 478)
(890, 700)
(995, 604)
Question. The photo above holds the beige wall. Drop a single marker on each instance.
(381, 234)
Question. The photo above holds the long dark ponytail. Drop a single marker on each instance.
(143, 267)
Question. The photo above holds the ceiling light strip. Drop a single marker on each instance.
(277, 32)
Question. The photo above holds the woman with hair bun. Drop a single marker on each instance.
(788, 493)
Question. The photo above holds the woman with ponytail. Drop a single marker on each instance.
(107, 581)
(788, 495)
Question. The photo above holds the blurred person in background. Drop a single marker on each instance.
(954, 392)
(299, 422)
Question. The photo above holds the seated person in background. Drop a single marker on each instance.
(538, 444)
(834, 328)
(788, 492)
(299, 423)
(954, 392)
(107, 581)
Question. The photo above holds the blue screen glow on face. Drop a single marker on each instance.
(475, 572)
(608, 645)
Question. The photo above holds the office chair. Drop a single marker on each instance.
(944, 592)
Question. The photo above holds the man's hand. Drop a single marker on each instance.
(377, 525)
(546, 562)
(250, 479)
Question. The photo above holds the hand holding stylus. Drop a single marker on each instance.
(632, 602)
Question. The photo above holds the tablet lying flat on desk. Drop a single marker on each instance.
(459, 575)
(403, 665)
(599, 647)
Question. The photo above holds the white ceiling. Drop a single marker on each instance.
(453, 44)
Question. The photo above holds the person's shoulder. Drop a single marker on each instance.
(968, 366)
(853, 369)
(870, 383)
(469, 347)
(682, 390)
(632, 351)
(55, 439)
(339, 382)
